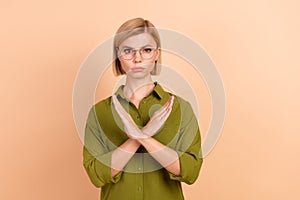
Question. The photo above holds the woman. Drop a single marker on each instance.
(141, 142)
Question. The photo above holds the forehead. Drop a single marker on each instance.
(138, 41)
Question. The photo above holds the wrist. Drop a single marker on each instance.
(147, 131)
(133, 142)
(142, 141)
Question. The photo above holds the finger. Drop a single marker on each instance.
(117, 105)
(165, 117)
(168, 110)
(172, 101)
(162, 109)
(129, 124)
(122, 112)
(119, 108)
(167, 103)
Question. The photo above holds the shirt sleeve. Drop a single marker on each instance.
(188, 147)
(96, 156)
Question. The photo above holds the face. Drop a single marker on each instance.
(138, 67)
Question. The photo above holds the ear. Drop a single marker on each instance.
(158, 51)
(117, 52)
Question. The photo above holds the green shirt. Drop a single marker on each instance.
(142, 177)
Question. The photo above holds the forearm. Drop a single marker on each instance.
(166, 156)
(122, 155)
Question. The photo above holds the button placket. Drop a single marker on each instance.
(140, 176)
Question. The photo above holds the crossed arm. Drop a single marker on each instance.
(166, 156)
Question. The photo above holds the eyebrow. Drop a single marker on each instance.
(148, 45)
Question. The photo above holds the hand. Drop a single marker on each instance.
(130, 127)
(158, 119)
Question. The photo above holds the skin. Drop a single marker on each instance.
(138, 85)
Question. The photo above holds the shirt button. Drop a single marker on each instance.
(139, 188)
(139, 168)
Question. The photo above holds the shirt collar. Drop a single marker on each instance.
(158, 90)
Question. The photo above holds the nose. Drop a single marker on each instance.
(137, 56)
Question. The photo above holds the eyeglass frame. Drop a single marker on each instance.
(135, 50)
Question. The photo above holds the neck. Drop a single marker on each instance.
(138, 88)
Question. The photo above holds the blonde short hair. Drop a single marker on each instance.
(130, 28)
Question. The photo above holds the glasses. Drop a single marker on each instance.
(128, 53)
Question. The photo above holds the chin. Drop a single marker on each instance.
(139, 75)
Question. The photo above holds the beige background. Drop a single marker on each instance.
(254, 45)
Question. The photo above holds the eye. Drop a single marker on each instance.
(147, 50)
(127, 51)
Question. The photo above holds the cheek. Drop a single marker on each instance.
(151, 62)
(125, 65)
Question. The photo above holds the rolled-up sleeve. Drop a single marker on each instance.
(188, 147)
(96, 156)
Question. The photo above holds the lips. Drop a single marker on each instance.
(137, 69)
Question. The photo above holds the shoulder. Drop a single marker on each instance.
(101, 106)
(103, 102)
(184, 106)
(183, 103)
(165, 94)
